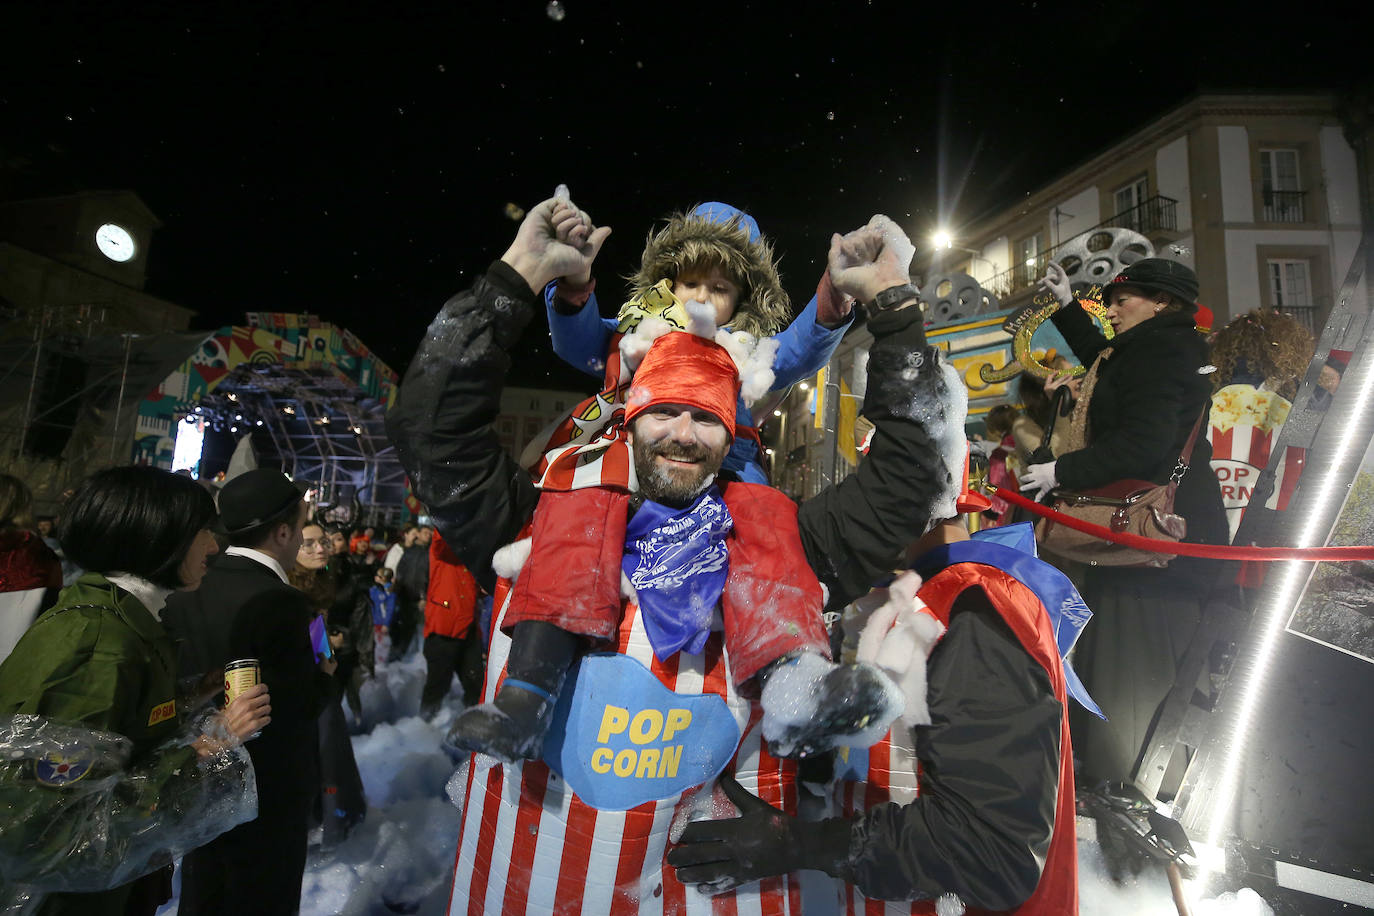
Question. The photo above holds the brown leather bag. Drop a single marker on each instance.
(1140, 507)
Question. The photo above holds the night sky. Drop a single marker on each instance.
(356, 161)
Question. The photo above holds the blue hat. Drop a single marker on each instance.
(718, 212)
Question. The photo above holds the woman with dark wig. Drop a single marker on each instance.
(99, 668)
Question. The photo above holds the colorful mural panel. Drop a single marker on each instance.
(269, 338)
(982, 343)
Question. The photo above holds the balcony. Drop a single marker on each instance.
(1306, 316)
(1157, 214)
(1310, 314)
(1284, 206)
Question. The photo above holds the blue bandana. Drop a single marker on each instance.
(676, 560)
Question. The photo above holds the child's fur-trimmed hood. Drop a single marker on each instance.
(690, 240)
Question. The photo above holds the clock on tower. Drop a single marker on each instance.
(115, 242)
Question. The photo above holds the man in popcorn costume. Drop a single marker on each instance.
(664, 703)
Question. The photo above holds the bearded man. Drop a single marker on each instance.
(669, 698)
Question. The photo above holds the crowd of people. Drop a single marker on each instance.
(175, 585)
(633, 587)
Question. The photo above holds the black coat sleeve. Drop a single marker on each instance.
(443, 421)
(982, 825)
(1082, 336)
(273, 626)
(855, 532)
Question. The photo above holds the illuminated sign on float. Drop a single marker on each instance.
(190, 442)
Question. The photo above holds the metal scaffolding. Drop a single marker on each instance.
(321, 428)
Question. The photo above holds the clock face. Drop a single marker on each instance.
(115, 242)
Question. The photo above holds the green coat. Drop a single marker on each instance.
(101, 659)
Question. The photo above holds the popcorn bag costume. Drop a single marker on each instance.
(687, 607)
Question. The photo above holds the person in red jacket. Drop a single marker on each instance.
(452, 644)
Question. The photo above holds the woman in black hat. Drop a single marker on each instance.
(1144, 394)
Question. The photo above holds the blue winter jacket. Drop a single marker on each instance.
(383, 605)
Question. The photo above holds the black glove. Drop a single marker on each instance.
(720, 855)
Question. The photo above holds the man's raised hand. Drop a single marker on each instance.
(575, 228)
(870, 259)
(555, 240)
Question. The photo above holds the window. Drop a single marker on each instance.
(1289, 284)
(1028, 260)
(1281, 186)
(1290, 288)
(1127, 199)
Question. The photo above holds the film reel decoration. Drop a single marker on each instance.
(1090, 261)
(1101, 254)
(953, 296)
(1022, 324)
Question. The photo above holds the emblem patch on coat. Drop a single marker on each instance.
(162, 712)
(61, 769)
(620, 738)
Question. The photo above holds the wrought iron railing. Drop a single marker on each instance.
(1148, 216)
(1158, 213)
(1284, 206)
(1306, 316)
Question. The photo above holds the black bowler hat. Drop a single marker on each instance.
(1157, 275)
(253, 497)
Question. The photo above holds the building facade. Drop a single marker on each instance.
(1257, 193)
(80, 338)
(527, 418)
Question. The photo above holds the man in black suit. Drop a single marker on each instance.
(246, 609)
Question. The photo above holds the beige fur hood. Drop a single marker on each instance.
(690, 239)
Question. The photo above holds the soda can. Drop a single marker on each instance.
(239, 675)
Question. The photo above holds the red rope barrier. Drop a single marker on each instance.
(1209, 551)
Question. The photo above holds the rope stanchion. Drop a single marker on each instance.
(1206, 551)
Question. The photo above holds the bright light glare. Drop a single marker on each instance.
(943, 239)
(1030, 262)
(1281, 603)
(804, 386)
(777, 413)
(190, 441)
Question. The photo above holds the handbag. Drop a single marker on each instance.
(1139, 507)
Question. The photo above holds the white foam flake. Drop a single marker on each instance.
(509, 560)
(949, 905)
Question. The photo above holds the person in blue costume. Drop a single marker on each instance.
(716, 254)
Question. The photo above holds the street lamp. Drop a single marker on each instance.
(944, 241)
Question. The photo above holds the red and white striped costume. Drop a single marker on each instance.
(891, 777)
(529, 845)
